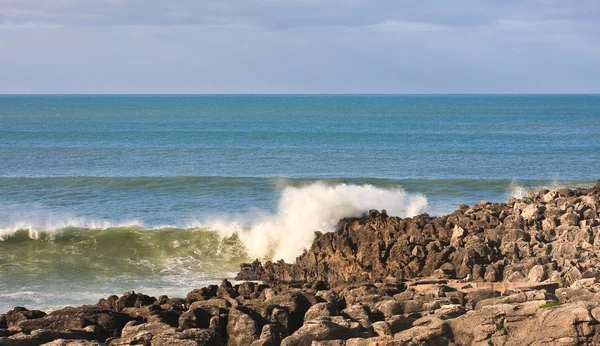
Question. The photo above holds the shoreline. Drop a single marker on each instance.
(494, 273)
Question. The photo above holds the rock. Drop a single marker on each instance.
(477, 243)
(537, 274)
(457, 235)
(271, 335)
(389, 308)
(189, 337)
(201, 294)
(382, 328)
(431, 331)
(39, 337)
(358, 313)
(320, 310)
(201, 312)
(317, 331)
(109, 322)
(133, 328)
(65, 342)
(18, 314)
(244, 326)
(297, 305)
(447, 312)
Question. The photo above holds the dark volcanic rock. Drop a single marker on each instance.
(549, 235)
(109, 323)
(18, 314)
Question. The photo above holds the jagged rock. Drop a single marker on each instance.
(39, 337)
(358, 313)
(18, 314)
(426, 331)
(201, 294)
(271, 335)
(297, 305)
(527, 323)
(65, 342)
(449, 311)
(109, 322)
(317, 331)
(244, 326)
(191, 337)
(201, 312)
(320, 310)
(389, 308)
(489, 242)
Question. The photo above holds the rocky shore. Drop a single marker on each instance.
(525, 272)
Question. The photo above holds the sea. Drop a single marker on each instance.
(162, 194)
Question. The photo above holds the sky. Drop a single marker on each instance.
(299, 46)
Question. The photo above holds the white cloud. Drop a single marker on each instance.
(398, 26)
(11, 26)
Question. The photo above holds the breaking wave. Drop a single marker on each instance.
(216, 244)
(301, 211)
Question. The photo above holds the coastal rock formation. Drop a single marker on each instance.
(551, 235)
(518, 273)
(418, 312)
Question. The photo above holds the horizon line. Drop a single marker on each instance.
(292, 94)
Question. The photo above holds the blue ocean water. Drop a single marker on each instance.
(102, 194)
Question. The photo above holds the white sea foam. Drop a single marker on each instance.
(301, 211)
(283, 234)
(517, 190)
(51, 224)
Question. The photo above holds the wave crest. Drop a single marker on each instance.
(282, 234)
(301, 211)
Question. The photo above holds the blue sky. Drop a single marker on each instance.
(302, 46)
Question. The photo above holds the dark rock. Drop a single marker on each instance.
(297, 305)
(110, 323)
(244, 326)
(317, 331)
(201, 294)
(18, 314)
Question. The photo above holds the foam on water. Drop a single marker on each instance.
(301, 211)
(517, 190)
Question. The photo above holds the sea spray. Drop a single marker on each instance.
(520, 190)
(301, 211)
(516, 190)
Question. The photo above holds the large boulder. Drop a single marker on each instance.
(244, 326)
(109, 323)
(317, 330)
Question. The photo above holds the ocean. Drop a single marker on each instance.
(166, 193)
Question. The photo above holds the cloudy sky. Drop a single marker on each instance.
(299, 46)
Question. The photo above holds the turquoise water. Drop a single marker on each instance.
(101, 194)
